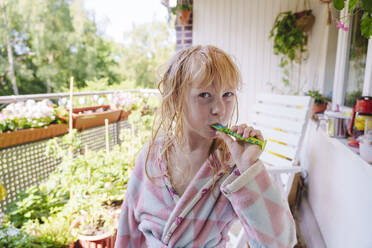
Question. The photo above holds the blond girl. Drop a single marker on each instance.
(191, 182)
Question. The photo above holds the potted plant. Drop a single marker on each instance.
(96, 226)
(182, 11)
(320, 101)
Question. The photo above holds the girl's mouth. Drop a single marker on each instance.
(213, 127)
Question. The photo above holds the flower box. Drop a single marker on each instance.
(12, 138)
(124, 115)
(87, 120)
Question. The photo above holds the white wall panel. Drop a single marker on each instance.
(242, 28)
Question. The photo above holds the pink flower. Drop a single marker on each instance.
(339, 25)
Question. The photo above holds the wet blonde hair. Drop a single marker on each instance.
(198, 66)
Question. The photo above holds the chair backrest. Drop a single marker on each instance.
(282, 120)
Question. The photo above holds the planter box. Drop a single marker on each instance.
(83, 121)
(124, 115)
(12, 138)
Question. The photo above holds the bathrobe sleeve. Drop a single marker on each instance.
(260, 207)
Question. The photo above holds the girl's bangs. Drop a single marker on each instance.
(216, 68)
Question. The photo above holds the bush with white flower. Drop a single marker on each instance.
(128, 101)
(125, 101)
(23, 115)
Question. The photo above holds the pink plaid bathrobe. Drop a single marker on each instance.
(155, 216)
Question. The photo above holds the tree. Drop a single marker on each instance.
(146, 47)
(52, 40)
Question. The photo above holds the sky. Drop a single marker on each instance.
(117, 16)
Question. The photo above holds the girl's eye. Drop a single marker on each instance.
(204, 94)
(227, 94)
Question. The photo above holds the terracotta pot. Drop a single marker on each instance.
(319, 108)
(184, 16)
(98, 241)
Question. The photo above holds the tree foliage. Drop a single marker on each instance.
(52, 40)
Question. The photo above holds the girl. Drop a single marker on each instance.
(191, 182)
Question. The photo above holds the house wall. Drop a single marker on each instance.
(184, 32)
(338, 179)
(242, 28)
(339, 185)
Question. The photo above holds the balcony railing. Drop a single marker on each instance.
(24, 165)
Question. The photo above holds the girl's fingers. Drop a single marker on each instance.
(257, 134)
(241, 129)
(246, 133)
(234, 128)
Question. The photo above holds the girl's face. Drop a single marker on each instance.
(204, 107)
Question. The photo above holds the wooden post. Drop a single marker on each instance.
(107, 136)
(70, 112)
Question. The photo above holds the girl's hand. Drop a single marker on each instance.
(244, 154)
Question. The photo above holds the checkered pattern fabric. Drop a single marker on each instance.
(153, 215)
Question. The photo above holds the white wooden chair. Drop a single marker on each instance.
(282, 119)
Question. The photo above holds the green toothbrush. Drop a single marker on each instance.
(251, 140)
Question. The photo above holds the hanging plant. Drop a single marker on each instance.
(290, 38)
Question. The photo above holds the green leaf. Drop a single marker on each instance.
(366, 25)
(367, 6)
(339, 4)
(352, 4)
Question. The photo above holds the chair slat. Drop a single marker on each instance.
(280, 110)
(286, 151)
(287, 138)
(284, 124)
(274, 160)
(303, 101)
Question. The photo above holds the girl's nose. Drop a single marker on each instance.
(218, 107)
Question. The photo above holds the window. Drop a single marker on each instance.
(353, 68)
(356, 63)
